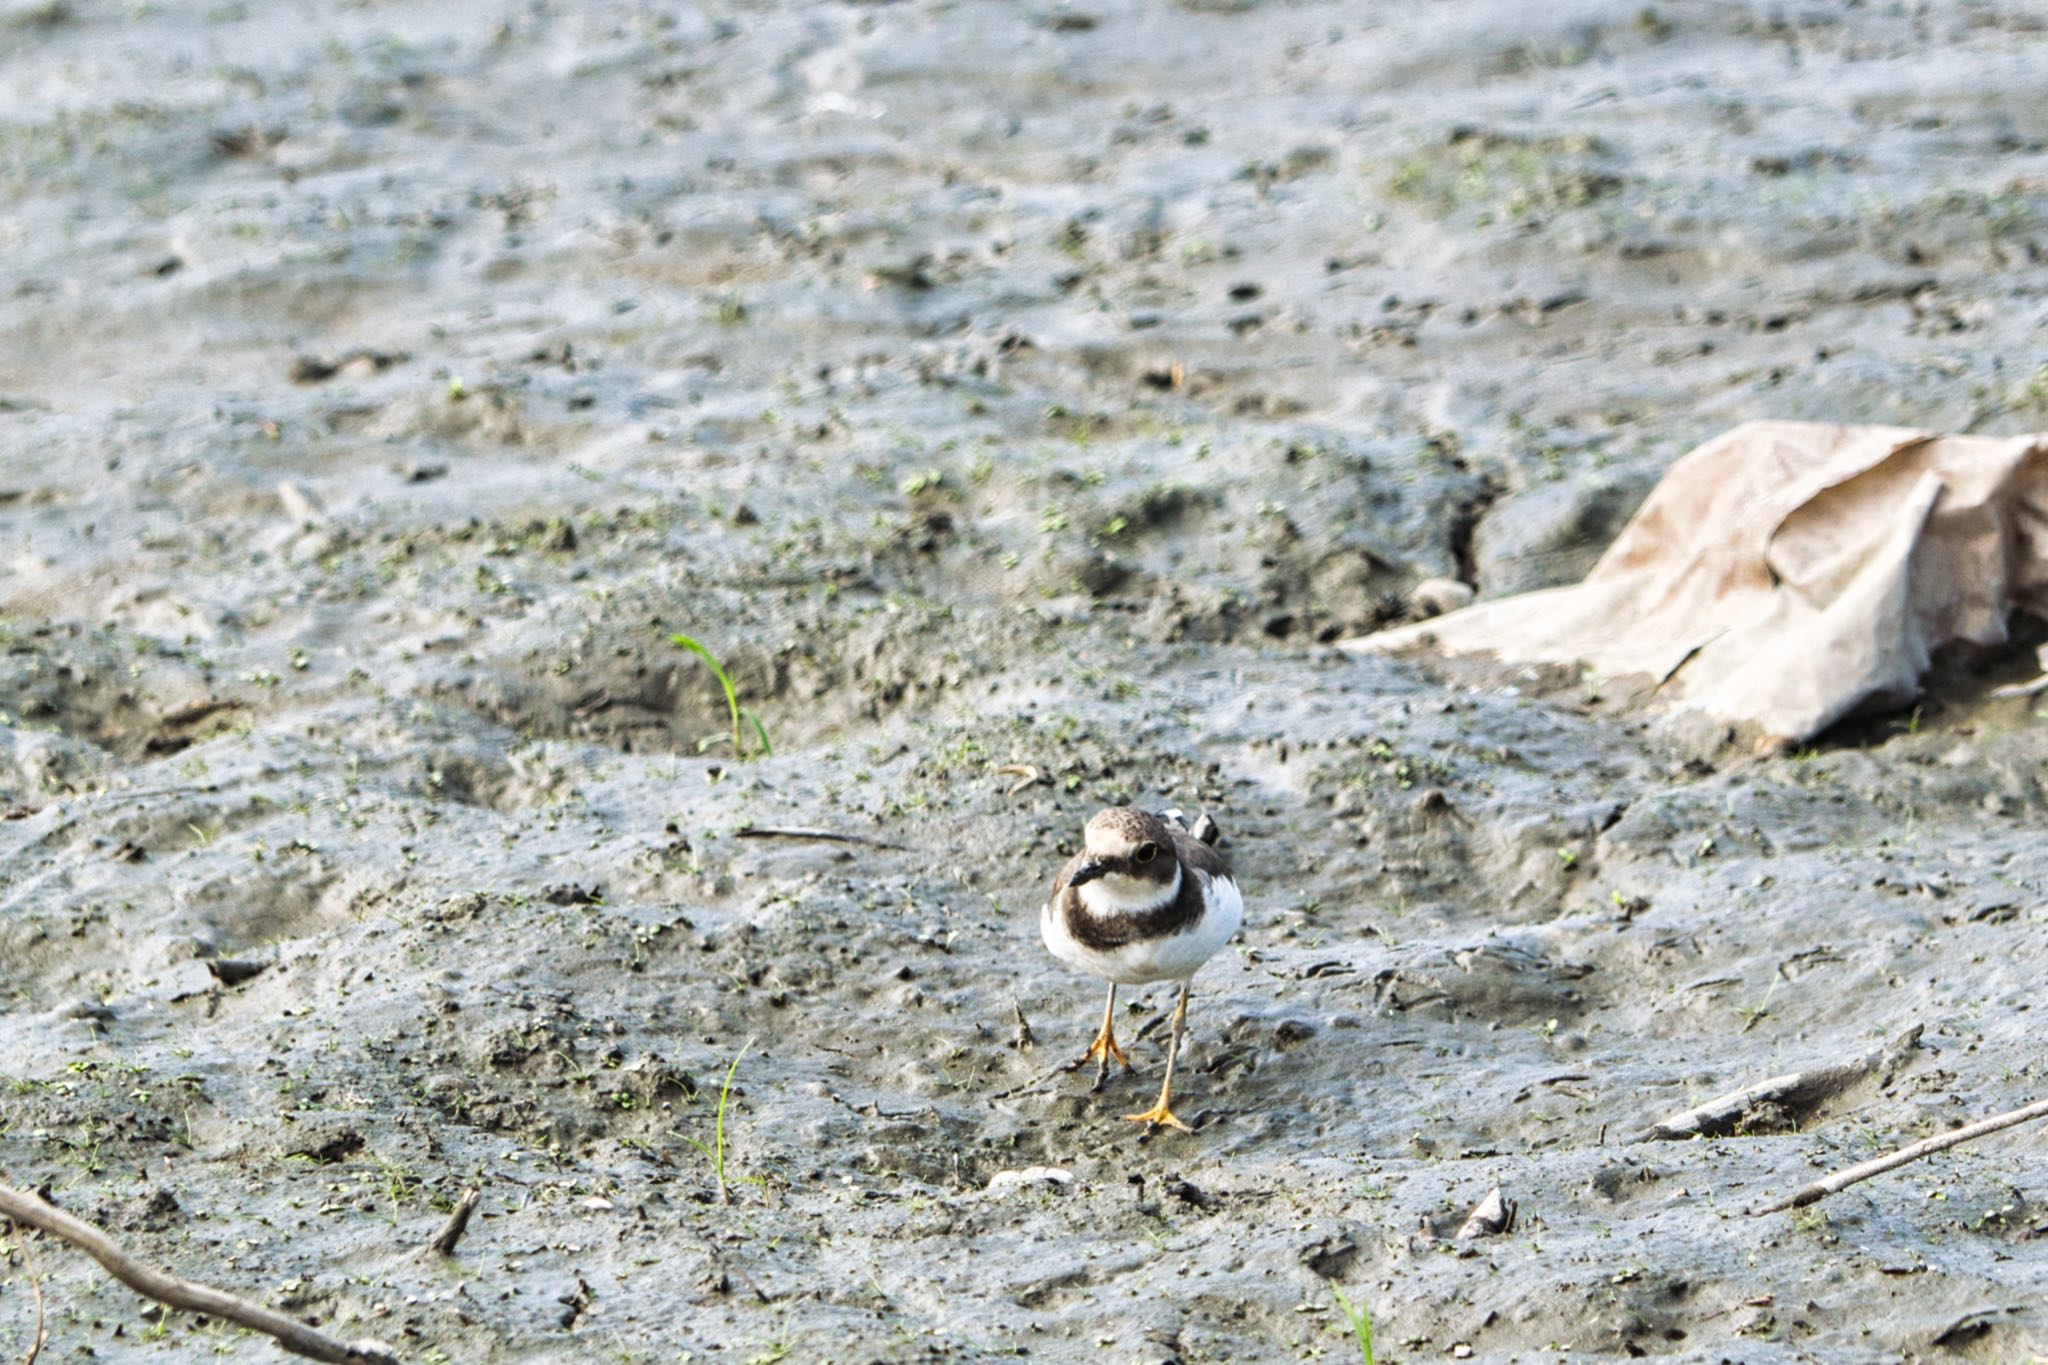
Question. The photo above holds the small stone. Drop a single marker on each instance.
(185, 981)
(1436, 596)
(1491, 1217)
(234, 971)
(1289, 1032)
(299, 504)
(1189, 1193)
(1003, 1182)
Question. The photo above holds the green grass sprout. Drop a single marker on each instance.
(760, 731)
(732, 698)
(715, 1151)
(1361, 1322)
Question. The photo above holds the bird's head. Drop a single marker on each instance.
(1130, 852)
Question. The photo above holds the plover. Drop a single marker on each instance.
(1144, 900)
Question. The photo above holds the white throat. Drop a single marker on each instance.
(1116, 894)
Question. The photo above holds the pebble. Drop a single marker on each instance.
(1002, 1182)
(1436, 596)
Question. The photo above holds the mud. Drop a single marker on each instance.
(382, 385)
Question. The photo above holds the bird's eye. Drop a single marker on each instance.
(1146, 853)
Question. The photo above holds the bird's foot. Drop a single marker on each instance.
(1102, 1050)
(1159, 1115)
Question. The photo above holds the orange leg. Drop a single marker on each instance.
(1104, 1047)
(1159, 1113)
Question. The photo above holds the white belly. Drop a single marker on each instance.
(1162, 959)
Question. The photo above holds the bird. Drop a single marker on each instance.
(1144, 900)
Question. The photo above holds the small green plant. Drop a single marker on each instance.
(396, 1184)
(732, 698)
(1360, 1317)
(715, 1151)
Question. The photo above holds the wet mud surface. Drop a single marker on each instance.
(381, 385)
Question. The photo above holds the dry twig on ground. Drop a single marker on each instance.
(295, 1336)
(42, 1332)
(1797, 1093)
(1042, 1078)
(458, 1222)
(1025, 773)
(1843, 1179)
(827, 835)
(1024, 1040)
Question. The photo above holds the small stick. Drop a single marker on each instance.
(763, 1295)
(1797, 1091)
(35, 1283)
(1842, 1180)
(458, 1222)
(1025, 773)
(829, 836)
(2028, 689)
(1063, 1069)
(1024, 1041)
(199, 708)
(148, 1281)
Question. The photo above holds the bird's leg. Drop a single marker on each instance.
(1159, 1113)
(1104, 1047)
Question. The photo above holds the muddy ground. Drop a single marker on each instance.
(382, 384)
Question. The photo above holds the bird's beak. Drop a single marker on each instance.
(1088, 872)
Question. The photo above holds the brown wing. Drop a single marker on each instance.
(1196, 854)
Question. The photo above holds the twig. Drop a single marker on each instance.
(293, 1335)
(763, 1295)
(458, 1222)
(1063, 1069)
(35, 1284)
(1842, 1180)
(828, 835)
(1798, 1092)
(198, 709)
(1024, 1041)
(1025, 773)
(2027, 689)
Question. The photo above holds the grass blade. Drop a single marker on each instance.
(1360, 1317)
(725, 1094)
(760, 730)
(732, 698)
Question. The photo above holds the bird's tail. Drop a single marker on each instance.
(1203, 826)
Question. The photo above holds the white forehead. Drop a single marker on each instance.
(1112, 840)
(1118, 832)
